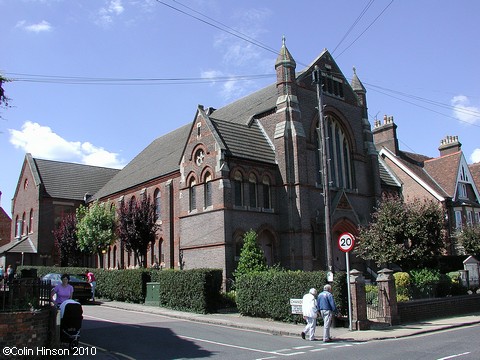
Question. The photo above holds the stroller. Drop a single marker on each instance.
(71, 316)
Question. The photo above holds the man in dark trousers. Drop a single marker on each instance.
(327, 308)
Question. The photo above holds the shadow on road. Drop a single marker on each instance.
(139, 342)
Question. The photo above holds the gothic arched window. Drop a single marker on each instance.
(338, 155)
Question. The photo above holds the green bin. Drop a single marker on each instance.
(153, 294)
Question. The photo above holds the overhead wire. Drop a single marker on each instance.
(368, 27)
(74, 80)
(365, 9)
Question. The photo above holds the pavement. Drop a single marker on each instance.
(234, 319)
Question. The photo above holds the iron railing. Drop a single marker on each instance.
(25, 294)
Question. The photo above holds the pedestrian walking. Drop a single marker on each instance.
(63, 291)
(93, 283)
(327, 308)
(10, 274)
(310, 312)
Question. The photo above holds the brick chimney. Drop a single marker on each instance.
(385, 135)
(449, 145)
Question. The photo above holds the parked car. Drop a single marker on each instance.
(82, 290)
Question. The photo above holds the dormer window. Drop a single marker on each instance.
(462, 190)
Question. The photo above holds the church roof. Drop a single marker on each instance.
(69, 180)
(160, 158)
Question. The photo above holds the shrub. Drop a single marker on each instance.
(402, 284)
(267, 294)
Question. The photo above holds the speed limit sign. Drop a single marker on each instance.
(346, 242)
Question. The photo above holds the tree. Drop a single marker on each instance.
(469, 238)
(96, 228)
(137, 227)
(251, 256)
(4, 100)
(403, 233)
(66, 241)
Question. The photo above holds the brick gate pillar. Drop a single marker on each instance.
(387, 297)
(359, 301)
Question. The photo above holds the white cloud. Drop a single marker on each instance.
(42, 26)
(475, 157)
(107, 13)
(42, 142)
(463, 111)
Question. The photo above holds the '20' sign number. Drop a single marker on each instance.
(346, 242)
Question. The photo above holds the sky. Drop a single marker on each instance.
(96, 81)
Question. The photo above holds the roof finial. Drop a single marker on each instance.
(354, 70)
(283, 40)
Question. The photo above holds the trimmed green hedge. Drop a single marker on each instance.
(120, 285)
(267, 294)
(196, 290)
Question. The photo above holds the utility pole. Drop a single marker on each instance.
(317, 79)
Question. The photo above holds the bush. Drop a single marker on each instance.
(402, 284)
(196, 290)
(267, 294)
(424, 282)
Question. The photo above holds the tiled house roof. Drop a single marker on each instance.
(444, 170)
(68, 180)
(25, 245)
(415, 164)
(475, 170)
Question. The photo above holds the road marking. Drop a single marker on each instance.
(318, 349)
(238, 346)
(111, 321)
(454, 356)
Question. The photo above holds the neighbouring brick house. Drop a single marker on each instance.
(45, 191)
(5, 224)
(446, 179)
(254, 164)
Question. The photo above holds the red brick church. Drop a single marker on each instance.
(255, 164)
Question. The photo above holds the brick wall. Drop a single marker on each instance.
(27, 329)
(423, 309)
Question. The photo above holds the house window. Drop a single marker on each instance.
(192, 195)
(132, 203)
(30, 221)
(252, 190)
(267, 196)
(469, 218)
(462, 190)
(477, 217)
(238, 188)
(338, 155)
(157, 197)
(18, 227)
(23, 232)
(207, 190)
(238, 246)
(458, 219)
(161, 253)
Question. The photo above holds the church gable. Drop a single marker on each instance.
(334, 83)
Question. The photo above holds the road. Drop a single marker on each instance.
(113, 333)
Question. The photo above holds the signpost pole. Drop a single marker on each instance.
(348, 292)
(346, 242)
